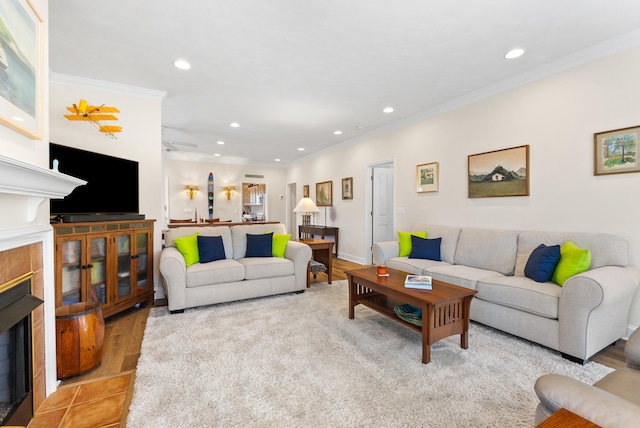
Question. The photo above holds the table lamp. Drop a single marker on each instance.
(307, 207)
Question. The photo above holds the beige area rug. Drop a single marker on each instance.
(297, 360)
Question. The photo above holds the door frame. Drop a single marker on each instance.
(368, 206)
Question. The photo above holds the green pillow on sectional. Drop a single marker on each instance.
(279, 246)
(405, 241)
(188, 247)
(573, 260)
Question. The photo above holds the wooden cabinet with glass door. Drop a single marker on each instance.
(108, 262)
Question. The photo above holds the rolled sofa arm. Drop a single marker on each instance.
(385, 250)
(591, 403)
(300, 254)
(632, 350)
(173, 270)
(593, 309)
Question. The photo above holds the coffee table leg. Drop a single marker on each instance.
(464, 337)
(426, 334)
(352, 297)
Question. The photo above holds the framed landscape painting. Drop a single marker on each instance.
(324, 195)
(347, 188)
(21, 68)
(499, 173)
(616, 151)
(427, 177)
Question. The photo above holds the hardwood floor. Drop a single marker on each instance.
(122, 342)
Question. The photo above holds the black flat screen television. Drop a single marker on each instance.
(112, 183)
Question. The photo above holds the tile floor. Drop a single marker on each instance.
(91, 404)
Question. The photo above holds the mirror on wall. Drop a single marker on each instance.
(254, 202)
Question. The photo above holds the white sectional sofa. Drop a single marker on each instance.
(234, 278)
(586, 314)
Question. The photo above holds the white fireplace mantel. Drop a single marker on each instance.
(34, 182)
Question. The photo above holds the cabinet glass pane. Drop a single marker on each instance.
(142, 240)
(71, 272)
(98, 262)
(124, 266)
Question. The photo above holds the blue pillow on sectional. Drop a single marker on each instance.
(425, 248)
(542, 263)
(260, 245)
(210, 248)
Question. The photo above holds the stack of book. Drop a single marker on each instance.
(422, 282)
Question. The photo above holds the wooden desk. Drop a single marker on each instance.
(321, 231)
(321, 252)
(566, 419)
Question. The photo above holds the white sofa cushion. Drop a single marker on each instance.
(414, 266)
(217, 272)
(489, 249)
(606, 249)
(239, 236)
(464, 276)
(266, 267)
(522, 293)
(449, 237)
(223, 231)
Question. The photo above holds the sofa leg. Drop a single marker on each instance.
(299, 291)
(179, 311)
(574, 359)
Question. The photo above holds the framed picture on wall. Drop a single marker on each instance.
(616, 151)
(347, 188)
(21, 68)
(427, 177)
(499, 173)
(305, 191)
(324, 194)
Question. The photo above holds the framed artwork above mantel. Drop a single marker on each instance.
(21, 68)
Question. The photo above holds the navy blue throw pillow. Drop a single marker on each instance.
(542, 262)
(259, 245)
(425, 248)
(210, 248)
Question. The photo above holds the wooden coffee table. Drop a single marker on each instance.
(445, 308)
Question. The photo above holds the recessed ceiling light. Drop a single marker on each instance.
(338, 132)
(182, 64)
(301, 149)
(235, 125)
(216, 154)
(221, 142)
(515, 53)
(17, 119)
(277, 160)
(388, 110)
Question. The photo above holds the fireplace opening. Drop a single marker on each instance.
(16, 357)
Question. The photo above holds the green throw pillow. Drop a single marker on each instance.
(405, 241)
(573, 260)
(188, 247)
(279, 245)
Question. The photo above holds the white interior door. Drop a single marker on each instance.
(382, 202)
(379, 207)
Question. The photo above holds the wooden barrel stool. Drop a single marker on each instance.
(79, 339)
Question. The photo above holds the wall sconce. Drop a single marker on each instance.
(229, 191)
(191, 191)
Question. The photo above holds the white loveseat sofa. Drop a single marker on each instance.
(579, 319)
(235, 278)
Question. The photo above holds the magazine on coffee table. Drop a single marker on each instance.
(422, 282)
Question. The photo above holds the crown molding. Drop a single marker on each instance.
(83, 82)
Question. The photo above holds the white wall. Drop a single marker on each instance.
(556, 116)
(183, 173)
(140, 139)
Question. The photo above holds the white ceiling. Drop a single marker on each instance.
(291, 72)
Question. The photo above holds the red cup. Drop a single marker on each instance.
(381, 270)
